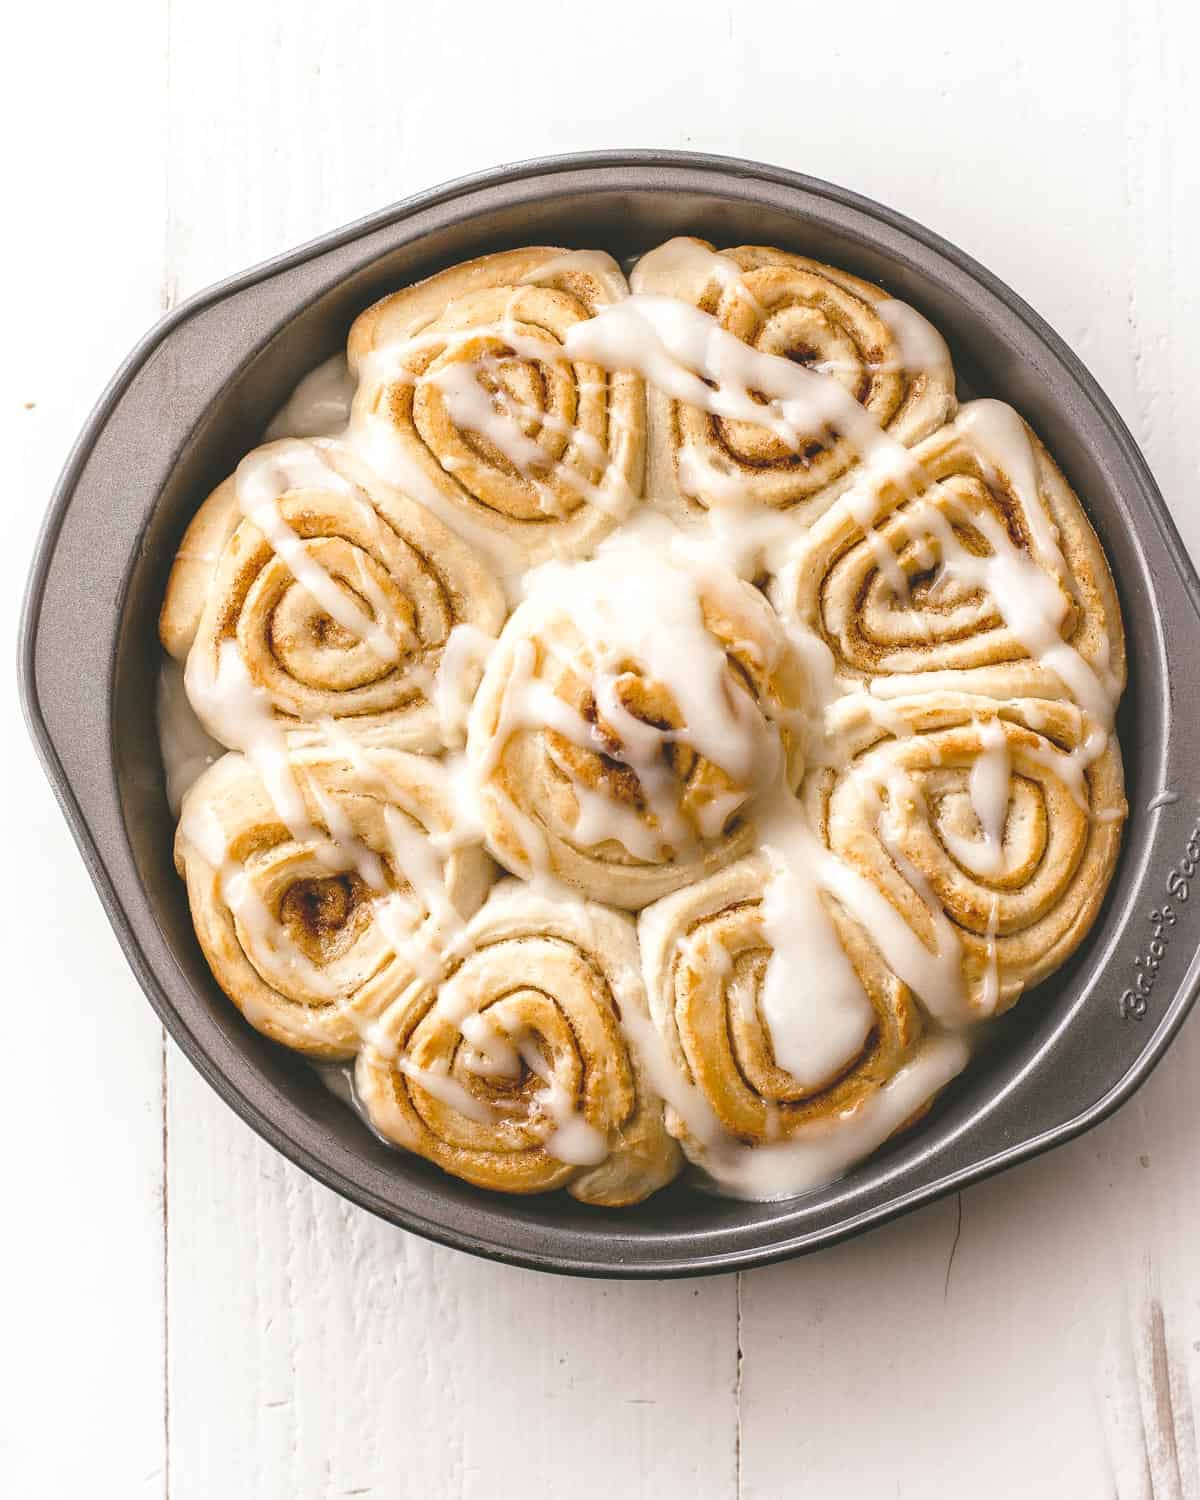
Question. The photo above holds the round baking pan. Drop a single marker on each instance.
(199, 390)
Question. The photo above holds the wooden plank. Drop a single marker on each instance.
(1048, 1344)
(81, 1254)
(314, 1351)
(334, 1355)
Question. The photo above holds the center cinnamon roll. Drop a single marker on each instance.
(632, 714)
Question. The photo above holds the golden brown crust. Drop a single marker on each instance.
(384, 554)
(1063, 818)
(705, 953)
(551, 979)
(308, 953)
(538, 778)
(505, 317)
(942, 624)
(815, 315)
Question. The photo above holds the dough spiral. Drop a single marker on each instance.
(314, 921)
(627, 720)
(977, 570)
(991, 828)
(468, 401)
(510, 1069)
(337, 593)
(750, 1076)
(878, 351)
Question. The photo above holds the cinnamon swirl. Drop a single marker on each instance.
(991, 828)
(631, 714)
(510, 1070)
(879, 352)
(337, 593)
(468, 401)
(320, 885)
(976, 569)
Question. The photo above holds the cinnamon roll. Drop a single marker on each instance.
(875, 351)
(784, 1046)
(337, 593)
(320, 885)
(468, 401)
(976, 569)
(991, 829)
(631, 714)
(510, 1070)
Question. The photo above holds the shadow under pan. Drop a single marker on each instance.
(198, 392)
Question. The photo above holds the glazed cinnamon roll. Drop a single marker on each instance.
(991, 829)
(510, 1069)
(468, 402)
(630, 716)
(785, 1047)
(337, 594)
(321, 885)
(829, 701)
(977, 569)
(880, 353)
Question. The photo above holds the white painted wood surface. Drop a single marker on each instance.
(188, 1316)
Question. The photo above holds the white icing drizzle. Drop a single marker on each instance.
(987, 790)
(496, 416)
(261, 478)
(921, 348)
(632, 607)
(997, 433)
(991, 974)
(1165, 798)
(238, 713)
(815, 1155)
(737, 532)
(692, 265)
(812, 1002)
(688, 355)
(492, 1055)
(364, 860)
(599, 818)
(1071, 766)
(418, 855)
(1030, 601)
(449, 1091)
(497, 1045)
(628, 605)
(689, 266)
(573, 1139)
(269, 947)
(595, 263)
(377, 441)
(933, 974)
(463, 658)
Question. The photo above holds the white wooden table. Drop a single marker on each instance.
(186, 1315)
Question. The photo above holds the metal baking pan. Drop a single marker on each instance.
(198, 391)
